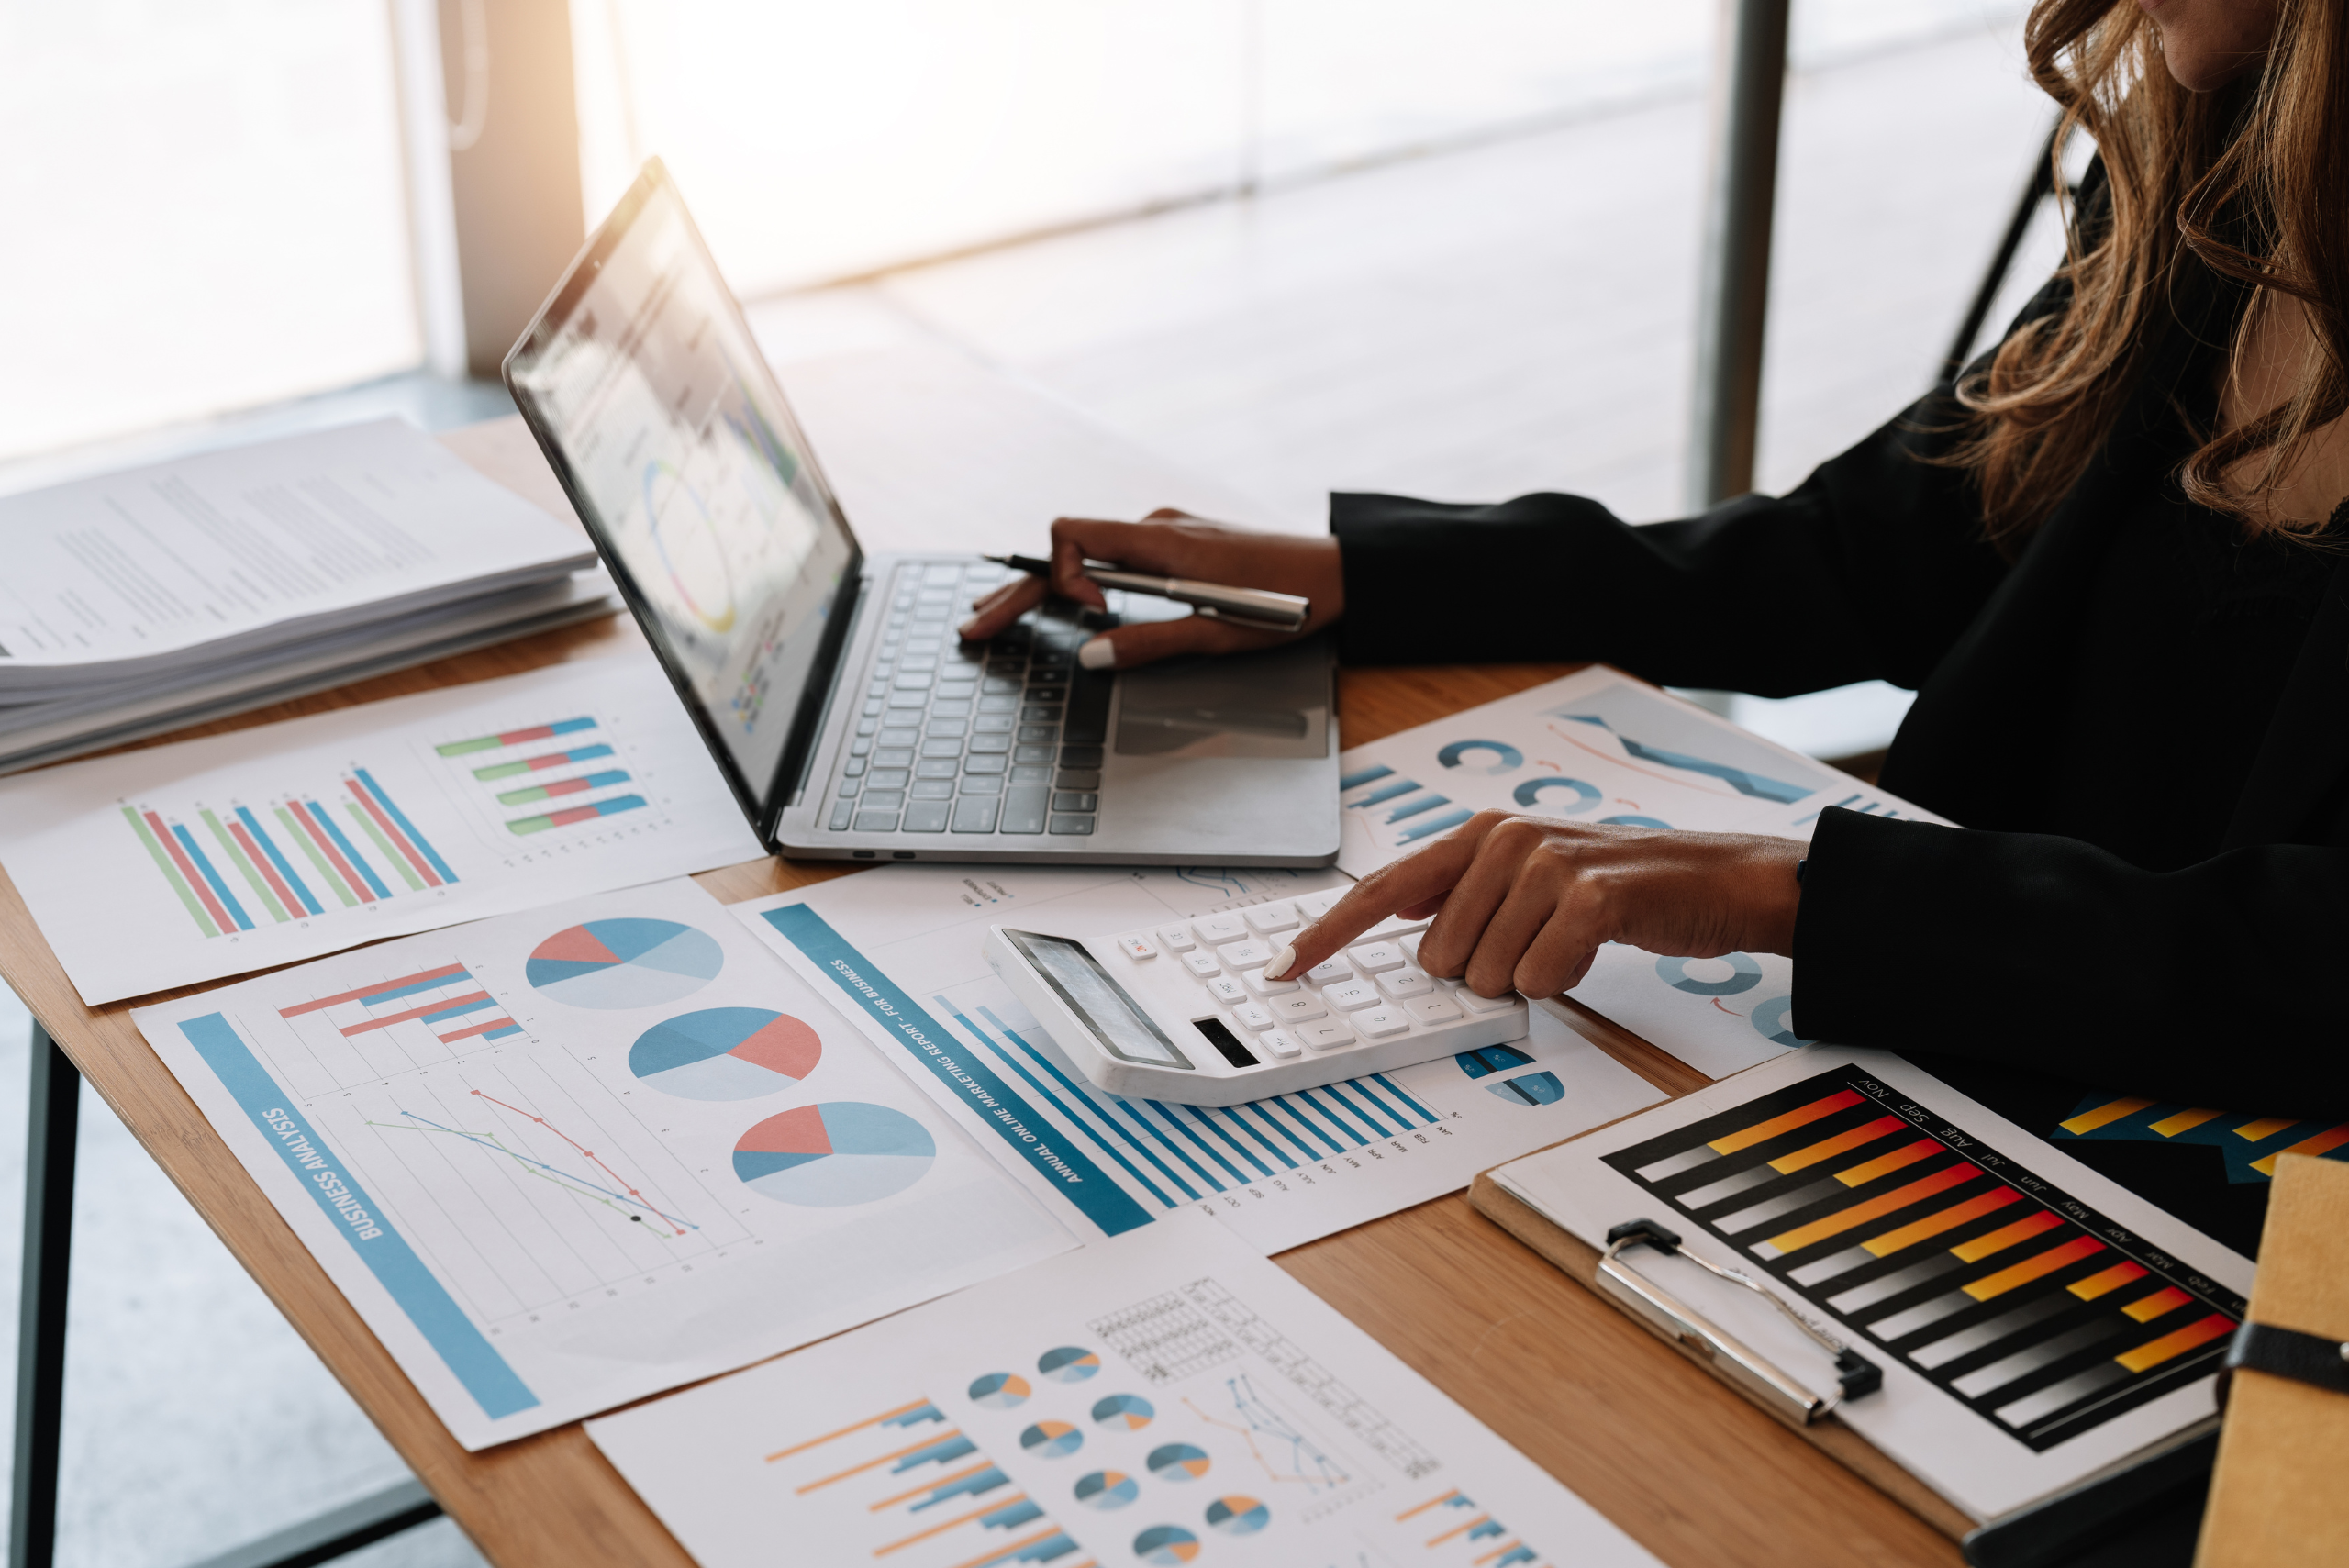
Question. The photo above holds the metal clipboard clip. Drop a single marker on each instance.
(1778, 1393)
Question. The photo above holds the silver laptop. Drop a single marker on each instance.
(830, 683)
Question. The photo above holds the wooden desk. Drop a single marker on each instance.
(1689, 1468)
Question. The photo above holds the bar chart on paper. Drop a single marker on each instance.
(293, 856)
(1282, 1170)
(285, 841)
(1229, 1420)
(544, 776)
(2037, 1312)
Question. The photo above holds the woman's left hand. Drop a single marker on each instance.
(1522, 903)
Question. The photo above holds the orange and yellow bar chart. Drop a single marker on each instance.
(2043, 1316)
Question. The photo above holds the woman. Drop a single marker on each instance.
(2107, 559)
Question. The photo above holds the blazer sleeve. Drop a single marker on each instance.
(1869, 569)
(2214, 984)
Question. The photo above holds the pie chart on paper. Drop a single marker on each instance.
(624, 963)
(834, 1156)
(1069, 1363)
(1237, 1516)
(725, 1053)
(1000, 1390)
(1166, 1545)
(1130, 1411)
(1179, 1462)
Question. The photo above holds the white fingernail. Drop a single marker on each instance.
(1098, 654)
(1280, 966)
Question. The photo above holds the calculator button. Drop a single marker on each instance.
(1474, 1004)
(1329, 972)
(1174, 939)
(1432, 1009)
(1254, 1015)
(1269, 918)
(1244, 955)
(1351, 994)
(1381, 1023)
(1136, 948)
(1214, 928)
(1263, 988)
(1299, 1005)
(1202, 964)
(1313, 905)
(1328, 1034)
(1281, 1044)
(1372, 957)
(1395, 926)
(1227, 991)
(1401, 983)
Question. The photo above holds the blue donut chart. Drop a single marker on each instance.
(1744, 976)
(1769, 1020)
(1506, 758)
(1635, 822)
(1529, 795)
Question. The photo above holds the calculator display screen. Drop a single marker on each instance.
(1124, 1031)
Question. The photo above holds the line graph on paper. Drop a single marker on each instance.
(1181, 1333)
(1280, 1447)
(525, 1180)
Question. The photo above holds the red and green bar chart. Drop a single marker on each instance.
(514, 780)
(236, 868)
(2039, 1313)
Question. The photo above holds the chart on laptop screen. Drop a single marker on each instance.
(2038, 1312)
(692, 472)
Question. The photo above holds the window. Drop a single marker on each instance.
(205, 210)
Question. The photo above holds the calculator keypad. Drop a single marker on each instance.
(1371, 993)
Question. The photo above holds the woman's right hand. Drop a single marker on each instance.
(1169, 543)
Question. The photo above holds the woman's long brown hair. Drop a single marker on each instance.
(2249, 185)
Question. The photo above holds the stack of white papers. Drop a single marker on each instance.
(144, 600)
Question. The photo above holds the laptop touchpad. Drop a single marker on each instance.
(1274, 703)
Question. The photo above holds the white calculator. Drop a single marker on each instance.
(1182, 1011)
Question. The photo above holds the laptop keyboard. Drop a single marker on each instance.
(1003, 737)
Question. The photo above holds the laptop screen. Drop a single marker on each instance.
(652, 401)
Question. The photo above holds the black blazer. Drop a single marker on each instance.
(2215, 984)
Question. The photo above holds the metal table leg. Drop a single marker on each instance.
(54, 1126)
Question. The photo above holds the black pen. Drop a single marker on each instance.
(1258, 607)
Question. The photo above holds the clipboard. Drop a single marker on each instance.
(1584, 1262)
(2047, 1533)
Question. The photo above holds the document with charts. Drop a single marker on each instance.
(2036, 1322)
(216, 857)
(1167, 1398)
(568, 1158)
(899, 950)
(1601, 745)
